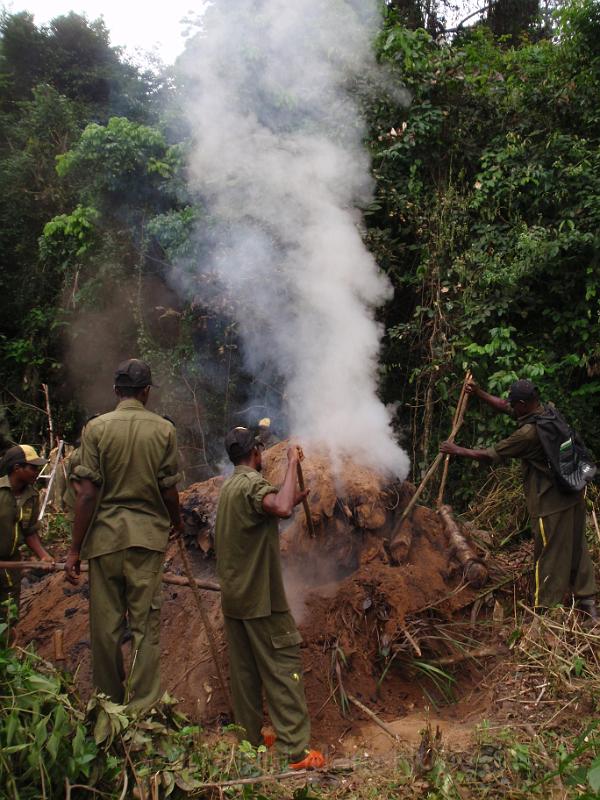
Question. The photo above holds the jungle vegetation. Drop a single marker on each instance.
(486, 218)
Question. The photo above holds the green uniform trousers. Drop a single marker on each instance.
(562, 559)
(265, 653)
(127, 582)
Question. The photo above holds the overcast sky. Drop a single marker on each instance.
(140, 24)
(132, 23)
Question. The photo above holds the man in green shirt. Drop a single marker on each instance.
(126, 503)
(19, 511)
(264, 643)
(561, 556)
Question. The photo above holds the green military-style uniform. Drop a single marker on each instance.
(264, 643)
(18, 520)
(131, 455)
(561, 555)
(69, 497)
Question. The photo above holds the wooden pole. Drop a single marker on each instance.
(57, 640)
(457, 422)
(475, 571)
(307, 514)
(373, 716)
(210, 635)
(59, 451)
(432, 469)
(168, 577)
(49, 415)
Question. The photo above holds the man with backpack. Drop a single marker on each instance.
(555, 469)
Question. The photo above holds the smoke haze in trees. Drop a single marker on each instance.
(279, 161)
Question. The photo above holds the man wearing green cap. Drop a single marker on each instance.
(19, 511)
(264, 643)
(126, 503)
(561, 555)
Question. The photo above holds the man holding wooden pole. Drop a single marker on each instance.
(562, 559)
(262, 636)
(126, 504)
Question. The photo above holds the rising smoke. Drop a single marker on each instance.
(279, 160)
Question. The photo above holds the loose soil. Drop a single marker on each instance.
(363, 620)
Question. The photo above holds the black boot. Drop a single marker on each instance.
(587, 605)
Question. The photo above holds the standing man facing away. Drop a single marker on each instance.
(19, 511)
(126, 504)
(561, 556)
(264, 643)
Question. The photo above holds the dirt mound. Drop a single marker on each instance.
(347, 503)
(355, 609)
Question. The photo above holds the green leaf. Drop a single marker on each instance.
(103, 727)
(593, 776)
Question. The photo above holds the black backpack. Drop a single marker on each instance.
(571, 465)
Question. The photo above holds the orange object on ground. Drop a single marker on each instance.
(269, 737)
(312, 760)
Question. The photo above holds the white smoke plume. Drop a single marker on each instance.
(278, 156)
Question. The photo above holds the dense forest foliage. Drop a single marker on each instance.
(486, 218)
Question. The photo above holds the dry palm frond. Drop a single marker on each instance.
(558, 648)
(500, 503)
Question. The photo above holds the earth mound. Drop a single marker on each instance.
(362, 615)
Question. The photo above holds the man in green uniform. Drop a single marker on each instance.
(19, 511)
(264, 643)
(126, 503)
(561, 556)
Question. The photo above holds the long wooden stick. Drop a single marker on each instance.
(59, 452)
(373, 716)
(168, 577)
(474, 570)
(457, 422)
(49, 415)
(281, 776)
(210, 634)
(428, 475)
(595, 519)
(308, 515)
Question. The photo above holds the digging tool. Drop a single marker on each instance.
(210, 634)
(308, 515)
(167, 577)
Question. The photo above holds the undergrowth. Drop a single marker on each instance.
(52, 745)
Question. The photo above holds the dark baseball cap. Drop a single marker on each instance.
(239, 442)
(133, 374)
(522, 390)
(21, 454)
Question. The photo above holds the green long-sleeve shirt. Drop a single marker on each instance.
(542, 495)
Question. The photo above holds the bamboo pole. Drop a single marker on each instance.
(433, 468)
(457, 422)
(167, 577)
(49, 415)
(59, 451)
(210, 634)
